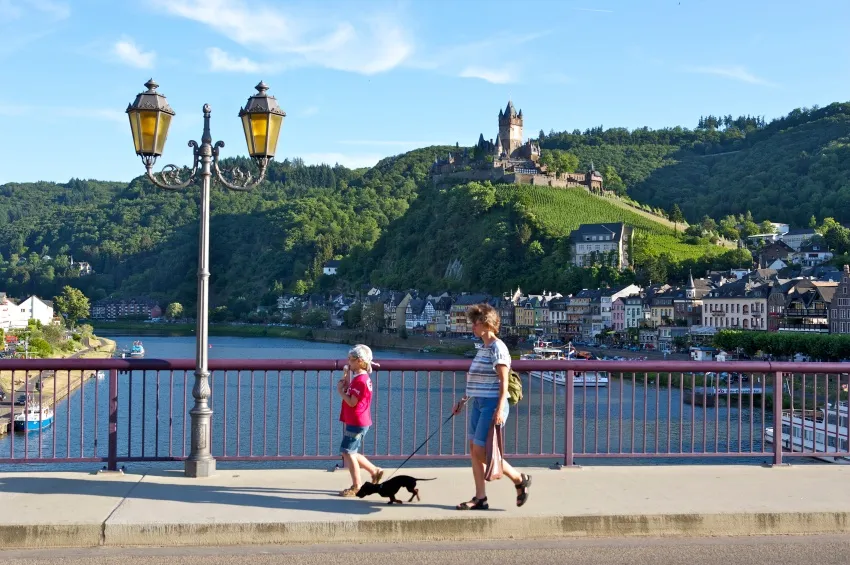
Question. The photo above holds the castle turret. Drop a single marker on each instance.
(510, 128)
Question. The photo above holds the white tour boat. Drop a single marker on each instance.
(544, 351)
(818, 431)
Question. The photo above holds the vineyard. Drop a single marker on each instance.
(563, 210)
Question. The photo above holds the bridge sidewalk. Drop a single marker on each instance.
(300, 506)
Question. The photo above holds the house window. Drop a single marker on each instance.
(745, 309)
(745, 322)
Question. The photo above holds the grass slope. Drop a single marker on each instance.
(563, 210)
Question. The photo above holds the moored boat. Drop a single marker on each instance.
(820, 432)
(34, 417)
(545, 352)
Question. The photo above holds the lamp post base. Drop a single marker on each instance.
(199, 469)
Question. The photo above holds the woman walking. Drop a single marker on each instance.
(487, 394)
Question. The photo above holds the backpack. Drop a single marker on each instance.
(514, 387)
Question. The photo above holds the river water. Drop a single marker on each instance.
(283, 414)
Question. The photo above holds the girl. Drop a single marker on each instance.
(355, 389)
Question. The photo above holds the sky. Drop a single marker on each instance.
(361, 80)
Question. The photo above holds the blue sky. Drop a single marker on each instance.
(364, 80)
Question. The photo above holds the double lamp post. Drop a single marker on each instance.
(150, 116)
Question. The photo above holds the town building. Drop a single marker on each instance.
(114, 308)
(738, 305)
(797, 237)
(330, 267)
(839, 314)
(601, 244)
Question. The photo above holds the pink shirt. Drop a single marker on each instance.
(359, 414)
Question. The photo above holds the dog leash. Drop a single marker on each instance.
(440, 427)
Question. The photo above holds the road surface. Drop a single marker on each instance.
(776, 550)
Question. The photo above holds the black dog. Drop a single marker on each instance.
(391, 487)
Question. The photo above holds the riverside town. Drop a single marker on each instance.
(366, 282)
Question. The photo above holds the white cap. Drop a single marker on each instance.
(364, 353)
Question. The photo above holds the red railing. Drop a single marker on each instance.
(284, 410)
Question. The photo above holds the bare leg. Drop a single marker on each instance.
(511, 473)
(479, 466)
(366, 464)
(353, 468)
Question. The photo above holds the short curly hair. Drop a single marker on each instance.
(485, 314)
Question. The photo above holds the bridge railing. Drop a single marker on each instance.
(123, 410)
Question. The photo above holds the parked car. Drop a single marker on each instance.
(22, 399)
(2, 395)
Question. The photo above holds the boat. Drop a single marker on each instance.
(544, 351)
(820, 431)
(35, 417)
(728, 386)
(138, 350)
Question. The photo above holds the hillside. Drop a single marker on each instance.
(786, 170)
(395, 228)
(788, 173)
(497, 237)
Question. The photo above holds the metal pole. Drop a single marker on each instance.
(200, 462)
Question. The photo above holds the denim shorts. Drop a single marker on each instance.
(481, 412)
(352, 438)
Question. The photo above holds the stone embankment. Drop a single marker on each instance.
(55, 385)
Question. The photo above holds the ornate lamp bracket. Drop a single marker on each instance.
(171, 176)
(236, 178)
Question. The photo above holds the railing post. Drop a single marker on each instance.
(112, 457)
(777, 418)
(569, 420)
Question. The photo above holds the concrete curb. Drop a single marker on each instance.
(445, 529)
(43, 536)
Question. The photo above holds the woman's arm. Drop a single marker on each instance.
(502, 372)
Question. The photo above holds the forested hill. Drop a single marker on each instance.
(786, 170)
(141, 240)
(395, 228)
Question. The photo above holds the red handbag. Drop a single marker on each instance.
(495, 451)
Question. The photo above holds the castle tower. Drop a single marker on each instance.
(510, 128)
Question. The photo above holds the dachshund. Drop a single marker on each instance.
(390, 488)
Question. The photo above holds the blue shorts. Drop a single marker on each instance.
(481, 412)
(352, 438)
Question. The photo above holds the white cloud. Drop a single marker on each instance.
(128, 52)
(734, 72)
(221, 61)
(350, 160)
(496, 76)
(373, 44)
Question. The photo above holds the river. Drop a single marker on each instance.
(279, 414)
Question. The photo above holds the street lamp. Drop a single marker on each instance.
(150, 116)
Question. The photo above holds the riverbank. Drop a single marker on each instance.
(447, 346)
(55, 385)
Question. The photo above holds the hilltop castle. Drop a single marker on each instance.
(508, 160)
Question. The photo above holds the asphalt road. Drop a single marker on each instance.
(776, 550)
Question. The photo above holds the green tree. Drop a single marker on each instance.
(72, 304)
(676, 216)
(613, 181)
(174, 310)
